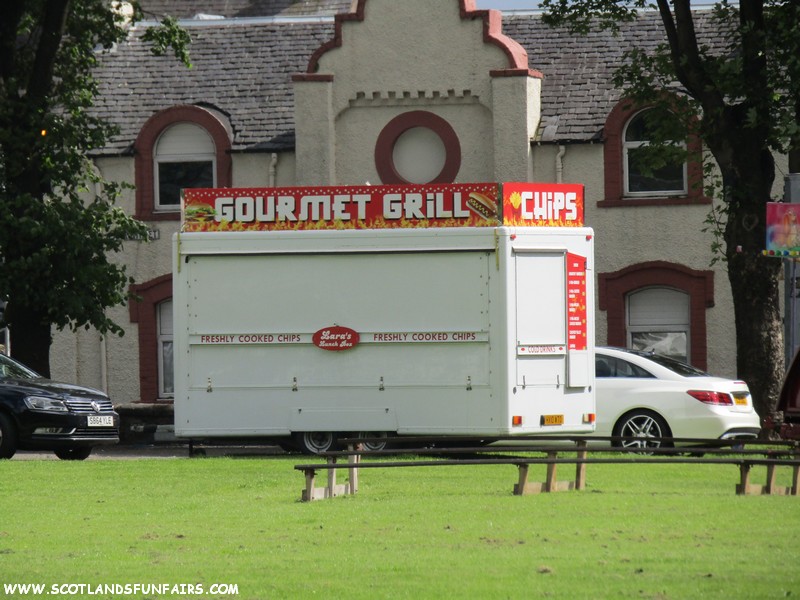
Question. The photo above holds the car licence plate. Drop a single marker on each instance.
(740, 399)
(100, 421)
(552, 419)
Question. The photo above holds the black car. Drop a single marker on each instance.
(40, 414)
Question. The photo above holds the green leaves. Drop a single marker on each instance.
(169, 35)
(584, 15)
(59, 225)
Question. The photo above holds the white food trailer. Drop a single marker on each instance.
(307, 314)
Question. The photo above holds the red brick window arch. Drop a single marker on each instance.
(626, 129)
(145, 312)
(181, 146)
(616, 288)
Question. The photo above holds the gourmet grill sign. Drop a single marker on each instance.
(361, 207)
(383, 206)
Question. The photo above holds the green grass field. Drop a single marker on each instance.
(638, 531)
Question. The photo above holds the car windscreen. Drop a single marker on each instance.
(11, 369)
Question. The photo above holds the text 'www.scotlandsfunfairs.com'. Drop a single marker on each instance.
(121, 589)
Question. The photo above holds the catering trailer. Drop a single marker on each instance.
(306, 314)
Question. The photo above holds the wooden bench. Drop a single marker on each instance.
(579, 456)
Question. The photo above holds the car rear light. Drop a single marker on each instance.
(718, 398)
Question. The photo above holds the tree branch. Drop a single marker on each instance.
(10, 15)
(685, 54)
(53, 25)
(754, 57)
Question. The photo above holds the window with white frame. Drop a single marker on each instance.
(166, 371)
(644, 176)
(184, 157)
(658, 321)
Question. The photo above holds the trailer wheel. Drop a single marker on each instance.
(376, 445)
(315, 442)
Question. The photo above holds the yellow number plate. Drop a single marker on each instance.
(552, 419)
(740, 400)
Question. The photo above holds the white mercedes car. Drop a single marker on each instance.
(641, 395)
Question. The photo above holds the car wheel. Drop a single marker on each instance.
(376, 445)
(81, 453)
(640, 428)
(8, 437)
(315, 442)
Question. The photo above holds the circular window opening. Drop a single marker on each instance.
(417, 147)
(419, 155)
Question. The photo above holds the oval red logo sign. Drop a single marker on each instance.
(335, 338)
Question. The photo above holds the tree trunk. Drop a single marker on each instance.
(759, 327)
(30, 338)
(748, 177)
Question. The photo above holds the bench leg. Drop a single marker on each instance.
(308, 492)
(352, 483)
(769, 488)
(330, 489)
(522, 482)
(744, 479)
(552, 471)
(580, 468)
(551, 483)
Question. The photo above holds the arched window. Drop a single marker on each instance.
(627, 133)
(641, 179)
(658, 321)
(184, 157)
(182, 146)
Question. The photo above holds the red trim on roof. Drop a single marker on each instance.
(312, 77)
(492, 34)
(516, 73)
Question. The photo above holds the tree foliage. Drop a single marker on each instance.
(741, 95)
(59, 225)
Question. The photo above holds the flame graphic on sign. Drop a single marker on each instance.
(375, 223)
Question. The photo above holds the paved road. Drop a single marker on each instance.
(161, 451)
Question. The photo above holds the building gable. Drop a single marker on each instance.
(415, 66)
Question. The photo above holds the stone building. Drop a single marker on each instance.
(320, 92)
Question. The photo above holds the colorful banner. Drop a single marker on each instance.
(383, 206)
(783, 229)
(347, 207)
(543, 205)
(576, 302)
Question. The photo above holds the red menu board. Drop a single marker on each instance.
(576, 302)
